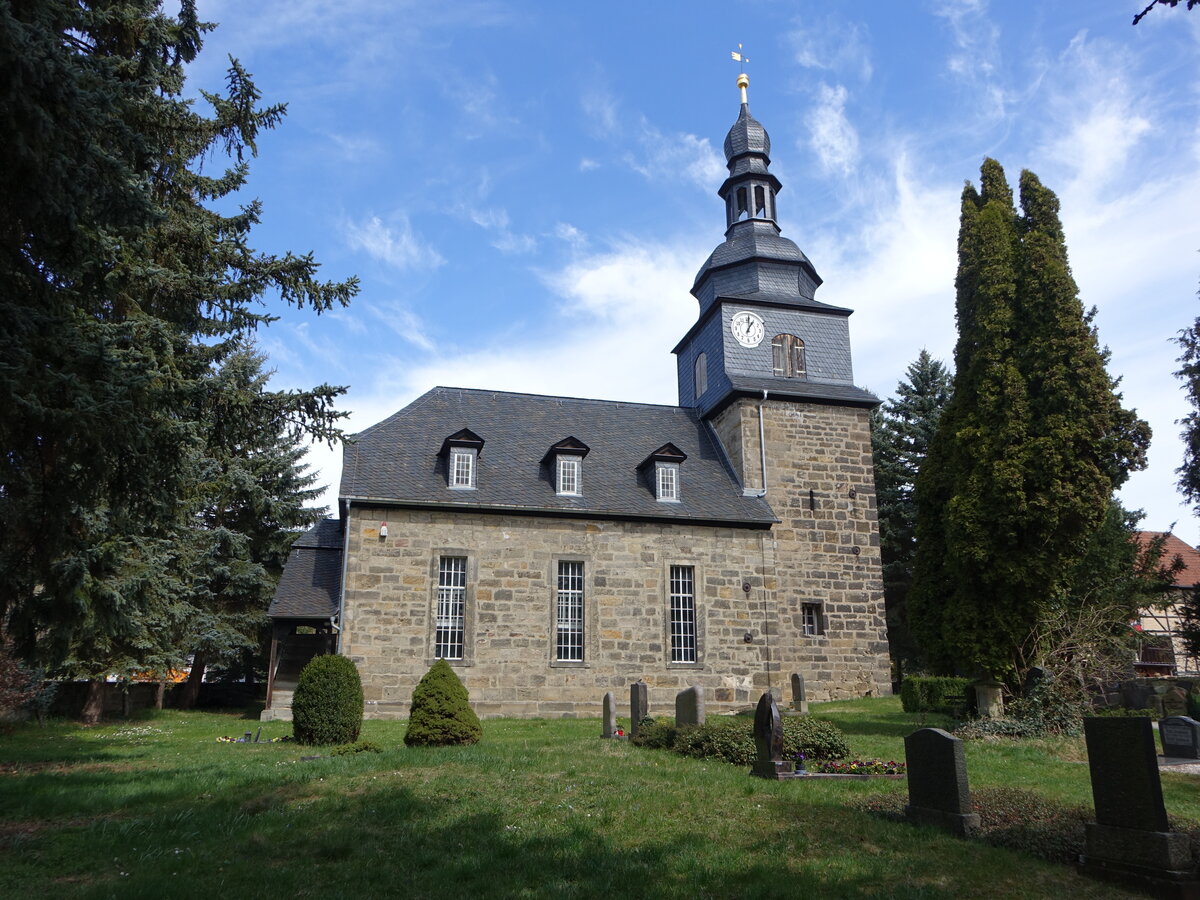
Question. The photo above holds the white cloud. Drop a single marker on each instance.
(570, 235)
(832, 137)
(495, 220)
(398, 247)
(661, 156)
(976, 58)
(587, 165)
(834, 44)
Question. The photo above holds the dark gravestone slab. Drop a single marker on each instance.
(768, 740)
(1129, 842)
(1180, 737)
(799, 697)
(1124, 766)
(639, 705)
(689, 707)
(938, 792)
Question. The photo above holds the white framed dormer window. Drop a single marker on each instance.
(462, 467)
(666, 477)
(570, 475)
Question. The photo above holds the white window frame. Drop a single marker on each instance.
(666, 482)
(449, 640)
(681, 609)
(812, 619)
(461, 474)
(569, 612)
(569, 475)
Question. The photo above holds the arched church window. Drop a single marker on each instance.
(701, 375)
(760, 202)
(787, 353)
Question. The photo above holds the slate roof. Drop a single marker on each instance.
(844, 394)
(397, 460)
(1189, 575)
(747, 136)
(310, 587)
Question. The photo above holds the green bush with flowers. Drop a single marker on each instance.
(852, 766)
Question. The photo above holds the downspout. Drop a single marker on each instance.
(762, 444)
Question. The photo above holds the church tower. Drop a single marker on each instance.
(769, 368)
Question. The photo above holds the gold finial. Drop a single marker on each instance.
(743, 80)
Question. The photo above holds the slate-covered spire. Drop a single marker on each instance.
(750, 260)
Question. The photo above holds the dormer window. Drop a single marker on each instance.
(570, 475)
(565, 463)
(461, 453)
(666, 476)
(462, 467)
(663, 468)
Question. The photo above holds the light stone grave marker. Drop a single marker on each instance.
(610, 716)
(799, 698)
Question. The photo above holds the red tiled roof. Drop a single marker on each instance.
(1189, 575)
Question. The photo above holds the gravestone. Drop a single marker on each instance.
(1130, 841)
(609, 728)
(689, 707)
(1180, 737)
(639, 706)
(768, 740)
(799, 699)
(989, 701)
(938, 793)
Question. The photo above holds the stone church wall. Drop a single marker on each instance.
(827, 543)
(391, 587)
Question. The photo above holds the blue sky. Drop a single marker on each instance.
(527, 189)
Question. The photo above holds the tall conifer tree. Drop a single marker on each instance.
(1029, 449)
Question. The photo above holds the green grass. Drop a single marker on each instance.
(541, 808)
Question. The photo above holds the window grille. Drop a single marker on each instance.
(451, 607)
(668, 481)
(787, 353)
(683, 614)
(570, 472)
(569, 616)
(462, 469)
(810, 618)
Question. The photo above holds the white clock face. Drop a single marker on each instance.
(747, 329)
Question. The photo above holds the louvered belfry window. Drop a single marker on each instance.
(787, 352)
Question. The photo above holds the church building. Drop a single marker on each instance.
(553, 548)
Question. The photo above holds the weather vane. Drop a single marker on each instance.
(738, 58)
(743, 81)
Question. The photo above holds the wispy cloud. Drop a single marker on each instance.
(504, 239)
(831, 135)
(832, 43)
(975, 60)
(397, 246)
(601, 110)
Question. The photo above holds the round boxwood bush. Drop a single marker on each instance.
(732, 739)
(327, 707)
(441, 713)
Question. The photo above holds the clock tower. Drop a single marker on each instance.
(768, 366)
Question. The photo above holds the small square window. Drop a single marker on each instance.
(810, 619)
(667, 482)
(462, 468)
(570, 475)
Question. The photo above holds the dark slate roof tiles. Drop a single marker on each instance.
(310, 585)
(396, 460)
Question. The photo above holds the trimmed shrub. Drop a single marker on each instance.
(441, 711)
(655, 734)
(327, 707)
(927, 693)
(732, 740)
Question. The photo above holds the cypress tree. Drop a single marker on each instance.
(1029, 449)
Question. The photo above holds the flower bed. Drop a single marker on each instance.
(860, 769)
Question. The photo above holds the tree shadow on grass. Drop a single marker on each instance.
(887, 726)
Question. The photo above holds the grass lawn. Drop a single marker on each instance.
(156, 807)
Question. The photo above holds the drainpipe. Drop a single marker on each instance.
(762, 444)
